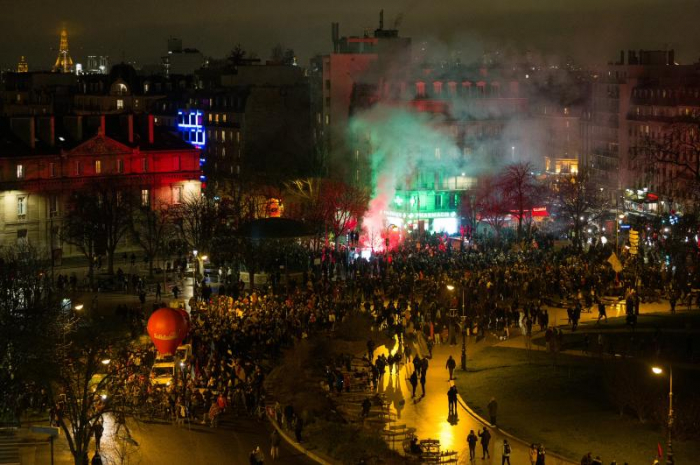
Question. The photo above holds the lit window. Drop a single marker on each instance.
(223, 152)
(210, 117)
(120, 166)
(437, 153)
(21, 207)
(98, 166)
(120, 104)
(20, 171)
(52, 170)
(177, 194)
(238, 137)
(216, 118)
(223, 117)
(223, 136)
(145, 198)
(77, 168)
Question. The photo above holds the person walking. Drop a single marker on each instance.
(506, 453)
(274, 444)
(422, 382)
(158, 292)
(176, 292)
(451, 365)
(471, 440)
(601, 311)
(533, 454)
(493, 410)
(485, 437)
(413, 379)
(540, 455)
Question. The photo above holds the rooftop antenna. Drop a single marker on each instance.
(381, 19)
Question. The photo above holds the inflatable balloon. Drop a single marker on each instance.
(167, 328)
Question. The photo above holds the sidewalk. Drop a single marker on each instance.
(429, 414)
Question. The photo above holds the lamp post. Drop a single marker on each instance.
(463, 358)
(669, 446)
(194, 275)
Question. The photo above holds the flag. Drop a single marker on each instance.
(615, 262)
(659, 449)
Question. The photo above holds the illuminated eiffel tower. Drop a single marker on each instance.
(64, 63)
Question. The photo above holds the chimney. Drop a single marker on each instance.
(622, 57)
(335, 35)
(101, 131)
(47, 130)
(150, 129)
(24, 129)
(671, 57)
(130, 128)
(381, 20)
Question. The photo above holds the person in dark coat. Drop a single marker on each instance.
(471, 440)
(485, 436)
(493, 410)
(413, 379)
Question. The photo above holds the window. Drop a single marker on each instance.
(438, 201)
(437, 153)
(144, 164)
(120, 104)
(98, 166)
(21, 236)
(120, 166)
(52, 170)
(20, 171)
(216, 118)
(238, 137)
(78, 168)
(223, 136)
(223, 117)
(223, 152)
(145, 198)
(177, 194)
(21, 207)
(53, 206)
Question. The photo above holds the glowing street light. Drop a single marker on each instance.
(106, 361)
(78, 307)
(669, 448)
(450, 287)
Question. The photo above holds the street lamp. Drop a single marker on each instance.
(658, 371)
(463, 360)
(194, 275)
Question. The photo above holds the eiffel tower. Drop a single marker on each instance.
(64, 63)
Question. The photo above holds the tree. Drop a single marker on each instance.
(491, 204)
(580, 200)
(282, 55)
(342, 205)
(30, 317)
(98, 218)
(671, 157)
(151, 228)
(521, 191)
(197, 221)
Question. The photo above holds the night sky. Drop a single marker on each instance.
(592, 31)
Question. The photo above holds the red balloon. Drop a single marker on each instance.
(167, 328)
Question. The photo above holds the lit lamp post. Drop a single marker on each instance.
(669, 446)
(463, 359)
(194, 274)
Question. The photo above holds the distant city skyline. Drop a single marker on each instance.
(138, 31)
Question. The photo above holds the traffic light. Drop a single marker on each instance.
(634, 241)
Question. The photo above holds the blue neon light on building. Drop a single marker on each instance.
(190, 124)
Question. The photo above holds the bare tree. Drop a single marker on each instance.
(342, 206)
(492, 204)
(197, 221)
(671, 157)
(521, 190)
(580, 200)
(151, 228)
(98, 219)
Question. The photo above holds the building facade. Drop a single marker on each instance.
(44, 160)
